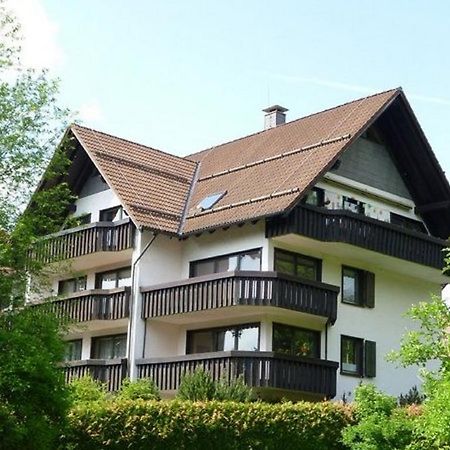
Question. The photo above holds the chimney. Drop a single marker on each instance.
(275, 115)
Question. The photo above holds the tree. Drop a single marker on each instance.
(33, 395)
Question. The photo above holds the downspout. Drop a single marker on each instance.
(135, 297)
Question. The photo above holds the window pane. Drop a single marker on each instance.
(228, 340)
(108, 280)
(306, 268)
(72, 350)
(351, 355)
(203, 268)
(351, 286)
(226, 264)
(296, 341)
(67, 287)
(251, 261)
(200, 342)
(124, 277)
(109, 347)
(111, 214)
(350, 204)
(248, 339)
(119, 347)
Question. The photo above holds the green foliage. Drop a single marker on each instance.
(200, 386)
(412, 397)
(381, 425)
(432, 430)
(197, 385)
(33, 395)
(86, 389)
(156, 425)
(430, 342)
(143, 389)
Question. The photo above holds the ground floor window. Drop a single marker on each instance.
(352, 355)
(294, 341)
(72, 350)
(109, 347)
(236, 337)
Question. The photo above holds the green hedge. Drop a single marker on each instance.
(143, 424)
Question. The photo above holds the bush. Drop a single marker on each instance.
(381, 425)
(139, 424)
(143, 389)
(412, 397)
(199, 385)
(86, 389)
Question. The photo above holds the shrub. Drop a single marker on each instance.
(200, 386)
(236, 390)
(412, 397)
(197, 385)
(144, 389)
(139, 424)
(86, 389)
(381, 425)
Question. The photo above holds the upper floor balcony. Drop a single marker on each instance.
(342, 226)
(92, 238)
(240, 288)
(94, 304)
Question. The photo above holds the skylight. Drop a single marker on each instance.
(209, 201)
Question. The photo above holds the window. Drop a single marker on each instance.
(248, 260)
(209, 201)
(298, 265)
(358, 287)
(353, 205)
(113, 279)
(72, 285)
(72, 350)
(358, 357)
(409, 224)
(294, 341)
(238, 337)
(315, 197)
(112, 214)
(109, 347)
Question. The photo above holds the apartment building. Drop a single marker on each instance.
(288, 256)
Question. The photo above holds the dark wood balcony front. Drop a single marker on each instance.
(258, 369)
(242, 288)
(355, 229)
(109, 371)
(97, 304)
(84, 240)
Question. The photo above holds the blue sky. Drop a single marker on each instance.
(184, 75)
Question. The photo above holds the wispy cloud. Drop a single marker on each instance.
(40, 46)
(354, 87)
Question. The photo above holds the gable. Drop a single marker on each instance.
(371, 163)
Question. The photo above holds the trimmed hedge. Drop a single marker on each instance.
(143, 424)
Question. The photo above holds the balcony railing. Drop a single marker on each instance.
(96, 304)
(240, 288)
(355, 229)
(109, 371)
(83, 240)
(258, 369)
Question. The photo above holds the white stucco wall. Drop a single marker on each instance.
(92, 204)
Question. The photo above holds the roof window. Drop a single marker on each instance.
(209, 201)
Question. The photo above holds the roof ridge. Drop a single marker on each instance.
(131, 142)
(398, 89)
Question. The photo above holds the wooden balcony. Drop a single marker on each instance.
(243, 288)
(84, 240)
(109, 371)
(96, 304)
(355, 229)
(258, 369)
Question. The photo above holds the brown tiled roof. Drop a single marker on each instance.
(152, 185)
(263, 174)
(299, 170)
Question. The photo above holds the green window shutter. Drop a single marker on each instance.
(369, 289)
(370, 359)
